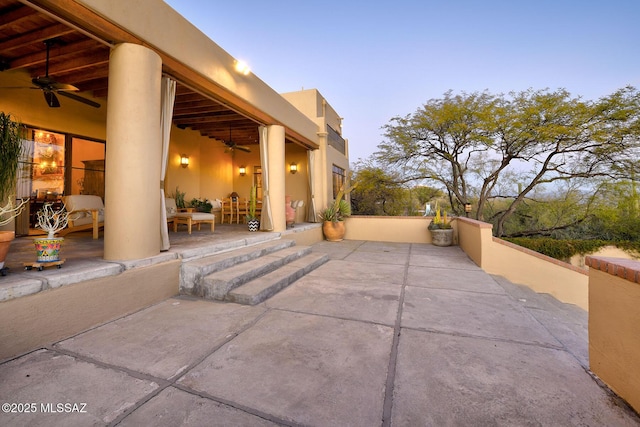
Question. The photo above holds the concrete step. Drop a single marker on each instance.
(264, 287)
(193, 272)
(217, 285)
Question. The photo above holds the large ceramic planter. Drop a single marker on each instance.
(48, 250)
(442, 237)
(333, 231)
(253, 224)
(6, 237)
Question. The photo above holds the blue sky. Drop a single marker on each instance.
(374, 60)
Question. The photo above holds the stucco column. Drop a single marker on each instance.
(323, 174)
(276, 170)
(133, 154)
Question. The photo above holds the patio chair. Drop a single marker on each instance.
(86, 212)
(242, 209)
(189, 218)
(228, 208)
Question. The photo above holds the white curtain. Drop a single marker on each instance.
(312, 216)
(166, 115)
(23, 189)
(266, 218)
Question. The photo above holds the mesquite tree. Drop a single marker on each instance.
(474, 145)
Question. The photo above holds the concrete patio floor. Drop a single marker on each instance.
(383, 334)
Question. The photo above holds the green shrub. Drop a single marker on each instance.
(565, 249)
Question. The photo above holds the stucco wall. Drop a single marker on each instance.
(29, 107)
(614, 325)
(541, 273)
(388, 229)
(474, 237)
(35, 321)
(150, 19)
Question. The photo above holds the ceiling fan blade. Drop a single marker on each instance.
(48, 83)
(79, 99)
(52, 100)
(242, 148)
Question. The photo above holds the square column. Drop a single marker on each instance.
(133, 154)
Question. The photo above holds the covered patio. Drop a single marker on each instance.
(383, 334)
(163, 113)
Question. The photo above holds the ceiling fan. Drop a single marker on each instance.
(233, 146)
(51, 87)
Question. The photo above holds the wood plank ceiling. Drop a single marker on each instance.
(83, 62)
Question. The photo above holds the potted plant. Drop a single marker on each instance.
(441, 229)
(178, 196)
(51, 221)
(252, 219)
(10, 149)
(333, 216)
(201, 205)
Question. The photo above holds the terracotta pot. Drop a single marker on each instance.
(442, 237)
(6, 237)
(333, 231)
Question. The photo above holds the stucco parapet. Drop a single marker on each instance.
(475, 222)
(624, 268)
(541, 256)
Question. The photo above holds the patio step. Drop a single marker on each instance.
(193, 272)
(249, 275)
(263, 288)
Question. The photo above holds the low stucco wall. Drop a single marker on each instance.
(304, 235)
(541, 273)
(32, 322)
(614, 319)
(474, 237)
(409, 229)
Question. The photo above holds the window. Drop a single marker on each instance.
(54, 164)
(87, 167)
(42, 165)
(335, 140)
(338, 179)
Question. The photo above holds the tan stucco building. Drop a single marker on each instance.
(136, 64)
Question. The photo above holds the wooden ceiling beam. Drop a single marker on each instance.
(25, 40)
(62, 53)
(15, 17)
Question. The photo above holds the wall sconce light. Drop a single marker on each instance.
(184, 160)
(293, 168)
(242, 170)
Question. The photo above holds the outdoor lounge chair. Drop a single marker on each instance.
(86, 212)
(188, 218)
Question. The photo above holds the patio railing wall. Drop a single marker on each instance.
(522, 266)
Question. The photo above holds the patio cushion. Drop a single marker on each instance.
(83, 203)
(196, 216)
(171, 207)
